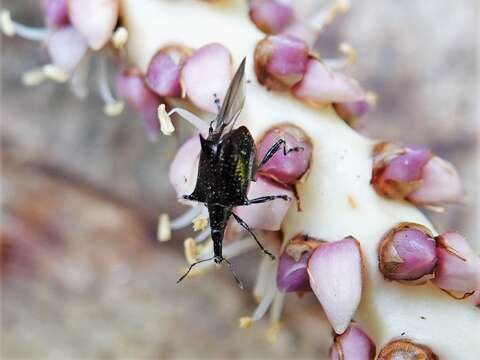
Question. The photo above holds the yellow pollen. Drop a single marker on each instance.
(349, 52)
(200, 223)
(164, 232)
(113, 108)
(166, 125)
(54, 73)
(33, 77)
(6, 23)
(120, 37)
(372, 98)
(272, 332)
(245, 322)
(190, 249)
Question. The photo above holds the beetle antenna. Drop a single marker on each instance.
(237, 280)
(191, 267)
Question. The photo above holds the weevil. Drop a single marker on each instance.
(227, 165)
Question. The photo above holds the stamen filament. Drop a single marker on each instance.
(349, 58)
(203, 235)
(185, 219)
(78, 80)
(112, 107)
(325, 17)
(264, 305)
(193, 119)
(263, 276)
(11, 28)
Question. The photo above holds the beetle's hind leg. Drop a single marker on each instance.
(246, 227)
(274, 149)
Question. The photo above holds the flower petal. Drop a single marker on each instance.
(94, 19)
(335, 272)
(66, 48)
(353, 344)
(206, 76)
(184, 168)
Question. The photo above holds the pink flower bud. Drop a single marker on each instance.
(55, 13)
(292, 272)
(94, 19)
(289, 168)
(406, 350)
(335, 272)
(458, 268)
(440, 184)
(270, 16)
(184, 167)
(163, 73)
(66, 48)
(206, 76)
(268, 215)
(353, 344)
(397, 170)
(131, 86)
(407, 253)
(280, 61)
(322, 85)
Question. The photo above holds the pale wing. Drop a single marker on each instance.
(234, 100)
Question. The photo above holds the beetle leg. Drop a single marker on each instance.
(217, 101)
(246, 227)
(191, 198)
(274, 149)
(263, 199)
(191, 267)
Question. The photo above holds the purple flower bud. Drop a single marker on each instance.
(407, 350)
(131, 86)
(292, 272)
(353, 344)
(407, 253)
(397, 170)
(66, 48)
(55, 13)
(322, 85)
(280, 61)
(163, 74)
(289, 168)
(270, 16)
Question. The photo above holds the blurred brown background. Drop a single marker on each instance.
(82, 274)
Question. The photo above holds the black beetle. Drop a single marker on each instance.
(227, 166)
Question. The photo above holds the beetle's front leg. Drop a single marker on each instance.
(264, 199)
(274, 149)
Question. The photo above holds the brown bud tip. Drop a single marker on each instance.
(406, 350)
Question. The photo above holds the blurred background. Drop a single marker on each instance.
(82, 273)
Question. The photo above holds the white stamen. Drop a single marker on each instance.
(277, 306)
(263, 276)
(193, 119)
(55, 73)
(185, 219)
(33, 77)
(78, 80)
(166, 125)
(267, 299)
(11, 28)
(200, 223)
(164, 231)
(120, 37)
(325, 17)
(112, 107)
(203, 235)
(349, 58)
